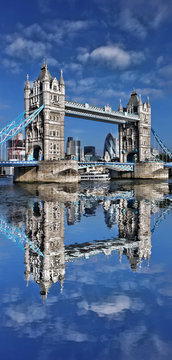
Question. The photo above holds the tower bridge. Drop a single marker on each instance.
(45, 110)
(46, 133)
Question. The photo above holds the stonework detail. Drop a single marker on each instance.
(45, 135)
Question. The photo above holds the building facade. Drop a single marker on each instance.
(89, 150)
(135, 138)
(45, 135)
(16, 148)
(73, 148)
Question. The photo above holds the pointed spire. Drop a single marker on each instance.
(120, 107)
(27, 85)
(46, 77)
(43, 64)
(27, 277)
(140, 100)
(61, 78)
(148, 103)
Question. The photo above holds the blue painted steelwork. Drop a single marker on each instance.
(163, 147)
(18, 163)
(17, 125)
(110, 165)
(162, 216)
(17, 236)
(168, 165)
(10, 125)
(127, 195)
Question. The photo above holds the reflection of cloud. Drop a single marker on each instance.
(120, 304)
(113, 307)
(129, 338)
(21, 316)
(13, 295)
(161, 346)
(35, 320)
(166, 290)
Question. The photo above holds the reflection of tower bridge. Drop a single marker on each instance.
(43, 237)
(46, 254)
(43, 121)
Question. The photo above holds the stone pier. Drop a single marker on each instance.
(48, 172)
(143, 171)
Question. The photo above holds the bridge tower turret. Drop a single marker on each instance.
(46, 111)
(135, 137)
(46, 133)
(144, 131)
(27, 91)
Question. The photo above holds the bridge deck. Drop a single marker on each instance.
(81, 164)
(18, 163)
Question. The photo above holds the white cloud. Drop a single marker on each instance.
(22, 48)
(114, 56)
(36, 41)
(51, 61)
(166, 71)
(153, 92)
(159, 60)
(129, 23)
(128, 76)
(11, 66)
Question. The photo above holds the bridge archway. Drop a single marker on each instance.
(131, 157)
(37, 151)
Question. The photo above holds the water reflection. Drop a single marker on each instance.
(135, 210)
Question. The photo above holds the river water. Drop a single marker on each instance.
(86, 271)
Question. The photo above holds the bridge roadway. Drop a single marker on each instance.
(106, 114)
(81, 164)
(108, 164)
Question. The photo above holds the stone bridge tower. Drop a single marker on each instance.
(45, 135)
(135, 138)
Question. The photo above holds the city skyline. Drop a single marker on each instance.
(105, 50)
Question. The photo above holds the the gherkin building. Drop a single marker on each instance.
(111, 148)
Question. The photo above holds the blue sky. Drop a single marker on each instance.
(105, 48)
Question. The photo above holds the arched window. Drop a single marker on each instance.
(129, 142)
(35, 132)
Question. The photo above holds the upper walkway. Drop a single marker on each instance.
(102, 114)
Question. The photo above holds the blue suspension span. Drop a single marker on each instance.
(163, 147)
(18, 236)
(11, 124)
(17, 125)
